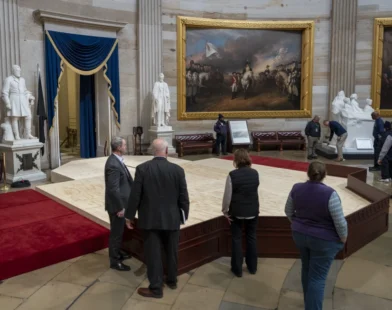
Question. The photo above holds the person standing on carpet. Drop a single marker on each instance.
(241, 207)
(160, 197)
(319, 231)
(341, 133)
(220, 128)
(313, 133)
(118, 183)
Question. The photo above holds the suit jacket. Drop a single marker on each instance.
(158, 195)
(118, 185)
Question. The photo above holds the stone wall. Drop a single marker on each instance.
(367, 12)
(31, 36)
(317, 10)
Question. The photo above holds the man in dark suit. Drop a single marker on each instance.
(118, 183)
(160, 196)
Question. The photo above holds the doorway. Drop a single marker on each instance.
(84, 116)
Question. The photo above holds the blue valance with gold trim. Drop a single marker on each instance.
(85, 55)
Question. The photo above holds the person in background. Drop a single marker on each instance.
(319, 231)
(313, 133)
(221, 135)
(241, 207)
(341, 133)
(378, 129)
(118, 183)
(160, 197)
(385, 157)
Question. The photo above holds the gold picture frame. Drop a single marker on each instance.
(307, 28)
(378, 49)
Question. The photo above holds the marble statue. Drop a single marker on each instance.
(18, 101)
(368, 109)
(161, 103)
(337, 106)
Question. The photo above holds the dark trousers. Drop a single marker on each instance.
(386, 167)
(117, 225)
(220, 144)
(153, 241)
(251, 245)
(377, 150)
(317, 256)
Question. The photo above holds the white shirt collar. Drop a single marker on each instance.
(119, 158)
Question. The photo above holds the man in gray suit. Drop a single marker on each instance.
(118, 183)
(160, 196)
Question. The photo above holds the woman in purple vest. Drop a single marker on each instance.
(319, 231)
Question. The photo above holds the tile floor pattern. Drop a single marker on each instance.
(361, 282)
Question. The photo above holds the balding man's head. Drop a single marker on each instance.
(160, 148)
(375, 115)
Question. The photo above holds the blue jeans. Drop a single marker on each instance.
(317, 256)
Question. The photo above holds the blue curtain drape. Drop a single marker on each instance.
(53, 71)
(87, 117)
(83, 52)
(114, 77)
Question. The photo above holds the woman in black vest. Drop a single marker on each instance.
(241, 206)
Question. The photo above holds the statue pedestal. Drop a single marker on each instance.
(162, 132)
(356, 129)
(23, 160)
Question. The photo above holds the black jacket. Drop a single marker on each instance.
(118, 185)
(313, 129)
(158, 194)
(245, 196)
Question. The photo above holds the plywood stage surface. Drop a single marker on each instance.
(80, 186)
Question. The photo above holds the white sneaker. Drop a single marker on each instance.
(384, 180)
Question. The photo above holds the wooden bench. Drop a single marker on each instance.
(265, 138)
(291, 138)
(278, 139)
(198, 141)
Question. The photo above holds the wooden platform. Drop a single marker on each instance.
(206, 235)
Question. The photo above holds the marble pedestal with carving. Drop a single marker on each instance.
(356, 129)
(23, 160)
(162, 132)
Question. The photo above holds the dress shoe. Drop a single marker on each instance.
(146, 292)
(237, 274)
(120, 267)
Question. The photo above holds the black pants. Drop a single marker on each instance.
(377, 150)
(153, 241)
(251, 245)
(386, 168)
(117, 225)
(220, 144)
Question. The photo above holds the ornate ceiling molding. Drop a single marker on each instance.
(75, 20)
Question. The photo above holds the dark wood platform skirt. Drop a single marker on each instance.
(209, 240)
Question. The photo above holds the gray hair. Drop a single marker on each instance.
(116, 143)
(159, 146)
(316, 117)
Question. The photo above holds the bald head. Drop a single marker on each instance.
(375, 115)
(160, 148)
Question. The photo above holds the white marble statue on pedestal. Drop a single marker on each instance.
(17, 106)
(368, 109)
(337, 106)
(160, 111)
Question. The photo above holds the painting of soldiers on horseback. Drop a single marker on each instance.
(242, 70)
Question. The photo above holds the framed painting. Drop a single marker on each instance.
(382, 66)
(244, 69)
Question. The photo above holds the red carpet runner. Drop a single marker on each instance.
(36, 231)
(276, 162)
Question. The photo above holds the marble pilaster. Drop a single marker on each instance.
(343, 47)
(150, 56)
(9, 37)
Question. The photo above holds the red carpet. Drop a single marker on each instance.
(276, 162)
(36, 231)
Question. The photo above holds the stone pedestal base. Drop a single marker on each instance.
(165, 133)
(22, 160)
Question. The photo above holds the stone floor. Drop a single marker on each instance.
(361, 282)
